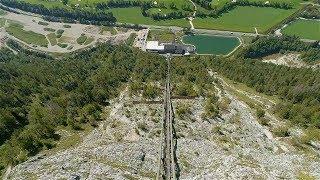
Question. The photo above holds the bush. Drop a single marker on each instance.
(82, 39)
(62, 45)
(260, 113)
(151, 91)
(185, 89)
(49, 29)
(43, 23)
(60, 31)
(183, 110)
(281, 131)
(211, 108)
(66, 26)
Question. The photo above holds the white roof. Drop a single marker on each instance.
(154, 45)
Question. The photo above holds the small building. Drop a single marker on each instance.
(173, 48)
(153, 46)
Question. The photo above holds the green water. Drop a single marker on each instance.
(217, 45)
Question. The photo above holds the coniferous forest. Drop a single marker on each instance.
(39, 93)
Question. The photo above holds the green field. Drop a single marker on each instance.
(245, 19)
(134, 16)
(305, 29)
(29, 37)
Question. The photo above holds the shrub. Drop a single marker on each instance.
(151, 91)
(60, 31)
(66, 26)
(260, 113)
(43, 23)
(281, 131)
(62, 45)
(183, 110)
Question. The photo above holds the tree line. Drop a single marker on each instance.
(263, 46)
(216, 12)
(62, 14)
(311, 12)
(204, 3)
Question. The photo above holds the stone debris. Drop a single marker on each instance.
(126, 146)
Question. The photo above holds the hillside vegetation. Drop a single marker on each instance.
(39, 93)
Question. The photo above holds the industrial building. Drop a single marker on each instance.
(173, 48)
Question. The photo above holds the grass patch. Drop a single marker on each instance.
(72, 139)
(245, 19)
(161, 36)
(49, 29)
(62, 45)
(305, 29)
(66, 26)
(29, 37)
(65, 39)
(112, 30)
(52, 39)
(245, 88)
(88, 41)
(43, 23)
(82, 39)
(59, 33)
(131, 38)
(305, 176)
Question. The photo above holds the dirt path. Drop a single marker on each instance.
(193, 15)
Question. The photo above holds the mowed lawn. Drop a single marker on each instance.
(245, 19)
(134, 16)
(305, 29)
(29, 37)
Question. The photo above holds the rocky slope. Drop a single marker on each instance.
(126, 145)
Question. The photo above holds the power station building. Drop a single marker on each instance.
(173, 48)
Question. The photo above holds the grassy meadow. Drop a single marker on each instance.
(305, 29)
(245, 19)
(29, 37)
